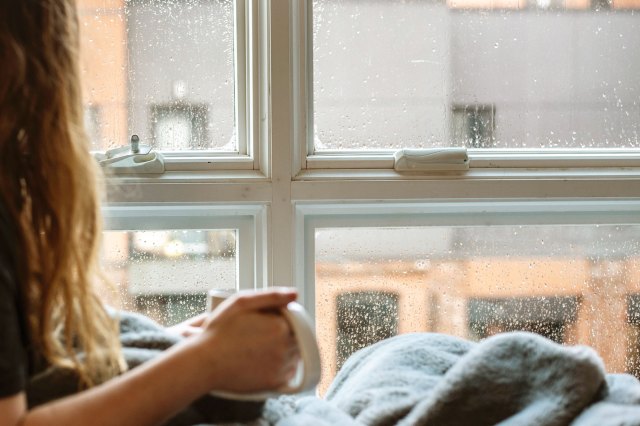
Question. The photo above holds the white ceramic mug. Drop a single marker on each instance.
(308, 373)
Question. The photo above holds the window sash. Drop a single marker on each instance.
(246, 87)
(310, 217)
(248, 220)
(310, 159)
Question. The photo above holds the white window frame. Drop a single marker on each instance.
(247, 220)
(287, 191)
(247, 77)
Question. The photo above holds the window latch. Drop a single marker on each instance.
(416, 160)
(132, 159)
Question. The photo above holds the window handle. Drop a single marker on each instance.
(132, 159)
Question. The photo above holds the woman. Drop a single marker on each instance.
(49, 239)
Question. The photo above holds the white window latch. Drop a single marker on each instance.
(133, 159)
(416, 160)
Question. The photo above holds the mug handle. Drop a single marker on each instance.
(308, 373)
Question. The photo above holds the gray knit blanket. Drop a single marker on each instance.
(426, 379)
(433, 379)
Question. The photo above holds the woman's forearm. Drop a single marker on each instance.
(147, 395)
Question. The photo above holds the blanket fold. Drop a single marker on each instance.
(509, 379)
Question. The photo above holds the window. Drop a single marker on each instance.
(92, 125)
(633, 349)
(362, 319)
(183, 51)
(279, 122)
(383, 72)
(473, 125)
(140, 56)
(164, 258)
(550, 317)
(572, 283)
(179, 127)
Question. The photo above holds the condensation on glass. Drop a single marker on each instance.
(165, 274)
(572, 284)
(163, 70)
(476, 73)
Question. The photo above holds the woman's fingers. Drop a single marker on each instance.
(269, 300)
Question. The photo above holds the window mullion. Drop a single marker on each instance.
(280, 136)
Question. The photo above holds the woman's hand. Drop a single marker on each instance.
(247, 344)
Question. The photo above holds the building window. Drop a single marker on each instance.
(633, 349)
(179, 127)
(473, 126)
(547, 316)
(364, 318)
(602, 4)
(92, 125)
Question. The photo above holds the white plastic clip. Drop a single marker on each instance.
(415, 160)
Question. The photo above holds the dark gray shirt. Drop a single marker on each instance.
(14, 359)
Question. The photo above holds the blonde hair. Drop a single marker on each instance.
(49, 185)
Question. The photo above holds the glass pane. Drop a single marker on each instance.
(163, 70)
(476, 73)
(573, 284)
(166, 274)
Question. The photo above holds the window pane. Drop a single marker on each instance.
(166, 274)
(572, 284)
(163, 70)
(476, 73)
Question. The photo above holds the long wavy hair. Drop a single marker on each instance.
(49, 185)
